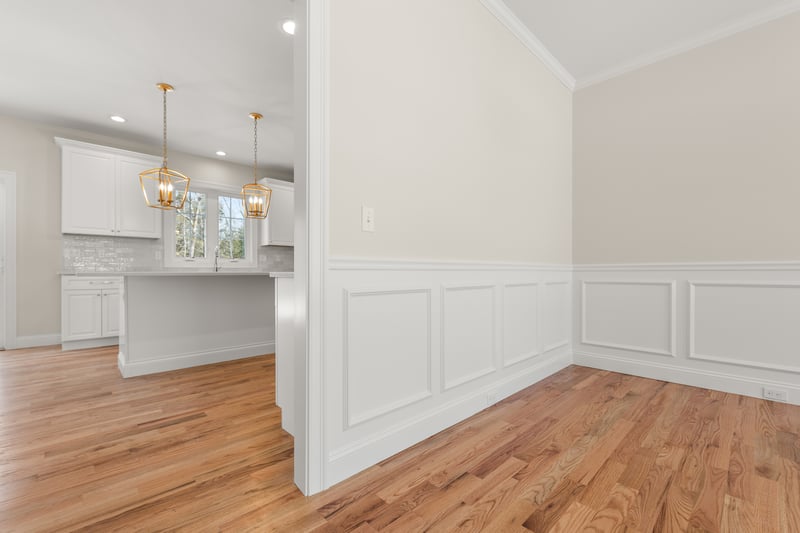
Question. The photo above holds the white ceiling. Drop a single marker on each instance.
(595, 40)
(75, 63)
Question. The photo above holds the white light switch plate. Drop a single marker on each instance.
(367, 219)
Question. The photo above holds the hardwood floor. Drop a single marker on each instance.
(202, 450)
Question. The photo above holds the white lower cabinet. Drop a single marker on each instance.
(90, 311)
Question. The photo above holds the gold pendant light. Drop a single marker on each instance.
(255, 197)
(164, 188)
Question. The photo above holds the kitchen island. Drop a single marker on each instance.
(180, 319)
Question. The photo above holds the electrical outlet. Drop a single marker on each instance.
(491, 397)
(776, 395)
(367, 219)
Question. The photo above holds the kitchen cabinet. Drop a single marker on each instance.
(278, 228)
(100, 191)
(90, 311)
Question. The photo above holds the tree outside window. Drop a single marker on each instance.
(231, 228)
(190, 227)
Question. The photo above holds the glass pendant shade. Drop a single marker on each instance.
(255, 197)
(164, 188)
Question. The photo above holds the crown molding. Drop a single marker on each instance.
(719, 33)
(501, 11)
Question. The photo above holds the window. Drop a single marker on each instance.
(210, 226)
(231, 228)
(190, 227)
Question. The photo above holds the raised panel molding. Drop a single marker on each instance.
(514, 321)
(670, 315)
(405, 351)
(764, 324)
(553, 311)
(468, 334)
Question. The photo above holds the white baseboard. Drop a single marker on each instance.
(694, 377)
(33, 341)
(359, 455)
(89, 343)
(140, 368)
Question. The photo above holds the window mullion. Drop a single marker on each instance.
(212, 224)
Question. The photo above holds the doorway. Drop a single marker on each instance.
(8, 248)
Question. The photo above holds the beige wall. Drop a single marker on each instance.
(454, 132)
(27, 148)
(696, 158)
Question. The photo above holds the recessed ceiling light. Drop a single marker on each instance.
(221, 153)
(117, 118)
(289, 27)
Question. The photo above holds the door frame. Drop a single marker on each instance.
(8, 277)
(311, 85)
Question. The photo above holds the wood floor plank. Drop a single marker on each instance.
(202, 450)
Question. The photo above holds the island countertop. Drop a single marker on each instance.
(162, 273)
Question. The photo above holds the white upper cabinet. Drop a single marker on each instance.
(278, 228)
(100, 191)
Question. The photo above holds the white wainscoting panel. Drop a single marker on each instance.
(413, 347)
(557, 315)
(520, 322)
(733, 327)
(629, 315)
(746, 323)
(468, 333)
(388, 334)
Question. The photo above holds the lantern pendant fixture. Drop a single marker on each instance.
(255, 197)
(164, 188)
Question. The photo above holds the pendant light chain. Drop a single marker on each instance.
(255, 150)
(164, 149)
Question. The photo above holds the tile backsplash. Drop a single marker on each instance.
(89, 253)
(276, 258)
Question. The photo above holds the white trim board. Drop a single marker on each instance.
(35, 341)
(188, 360)
(716, 34)
(365, 263)
(739, 266)
(706, 379)
(9, 180)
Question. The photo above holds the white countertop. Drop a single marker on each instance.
(161, 273)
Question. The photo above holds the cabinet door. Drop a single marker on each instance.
(134, 218)
(87, 194)
(111, 312)
(81, 315)
(278, 227)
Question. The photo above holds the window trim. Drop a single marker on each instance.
(213, 191)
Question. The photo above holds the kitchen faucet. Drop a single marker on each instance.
(217, 266)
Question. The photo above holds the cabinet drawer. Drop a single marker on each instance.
(82, 283)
